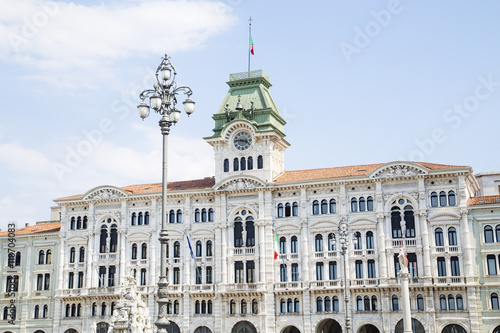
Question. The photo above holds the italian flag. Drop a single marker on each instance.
(251, 45)
(276, 246)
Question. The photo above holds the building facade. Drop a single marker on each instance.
(236, 219)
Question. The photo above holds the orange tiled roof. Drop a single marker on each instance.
(35, 229)
(484, 200)
(195, 184)
(347, 171)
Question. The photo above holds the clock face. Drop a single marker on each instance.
(242, 140)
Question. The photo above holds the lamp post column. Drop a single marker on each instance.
(344, 241)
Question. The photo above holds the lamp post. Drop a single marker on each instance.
(162, 99)
(344, 242)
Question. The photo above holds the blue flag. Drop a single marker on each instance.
(190, 248)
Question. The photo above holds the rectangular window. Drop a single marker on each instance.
(209, 275)
(396, 265)
(12, 283)
(319, 271)
(111, 276)
(359, 269)
(455, 266)
(295, 272)
(143, 276)
(102, 276)
(412, 264)
(441, 265)
(39, 282)
(250, 272)
(238, 272)
(46, 285)
(283, 275)
(198, 275)
(492, 265)
(371, 269)
(177, 275)
(80, 279)
(332, 269)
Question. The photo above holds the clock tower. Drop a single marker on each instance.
(249, 136)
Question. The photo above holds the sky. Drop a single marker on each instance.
(357, 82)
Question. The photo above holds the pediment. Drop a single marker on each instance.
(240, 183)
(398, 170)
(104, 193)
(443, 217)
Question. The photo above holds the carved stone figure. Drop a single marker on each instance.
(402, 261)
(402, 223)
(244, 237)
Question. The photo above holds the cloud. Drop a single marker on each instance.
(55, 36)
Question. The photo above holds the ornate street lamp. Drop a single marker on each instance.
(162, 99)
(344, 242)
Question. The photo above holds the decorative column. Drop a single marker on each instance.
(426, 246)
(405, 292)
(382, 256)
(122, 257)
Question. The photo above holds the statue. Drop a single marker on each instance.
(403, 262)
(402, 223)
(244, 237)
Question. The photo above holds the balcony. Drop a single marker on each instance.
(203, 287)
(288, 285)
(326, 284)
(107, 256)
(448, 280)
(411, 242)
(242, 251)
(447, 249)
(244, 287)
(365, 282)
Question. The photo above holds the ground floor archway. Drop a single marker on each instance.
(71, 330)
(329, 326)
(290, 329)
(173, 328)
(244, 327)
(497, 329)
(369, 328)
(453, 328)
(416, 326)
(202, 329)
(102, 327)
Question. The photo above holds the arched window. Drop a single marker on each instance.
(198, 248)
(113, 243)
(94, 308)
(84, 224)
(179, 216)
(80, 280)
(488, 234)
(396, 222)
(238, 229)
(288, 210)
(134, 251)
(452, 236)
(103, 309)
(144, 251)
(491, 263)
(250, 163)
(45, 312)
(460, 302)
(203, 306)
(71, 278)
(210, 215)
(438, 235)
(280, 210)
(451, 198)
(354, 205)
(359, 303)
(319, 304)
(328, 304)
(335, 304)
(296, 305)
(497, 232)
(197, 215)
(318, 243)
(82, 254)
(442, 199)
(410, 221)
(369, 202)
(295, 209)
(78, 310)
(451, 302)
(260, 162)
(293, 245)
(362, 204)
(395, 303)
(48, 257)
(282, 245)
(315, 207)
(232, 307)
(283, 275)
(204, 215)
(374, 303)
(177, 249)
(243, 164)
(176, 307)
(333, 206)
(208, 277)
(140, 220)
(332, 244)
(236, 164)
(133, 219)
(146, 218)
(209, 307)
(494, 301)
(73, 310)
(282, 306)
(255, 306)
(209, 248)
(37, 312)
(102, 240)
(357, 241)
(72, 225)
(442, 302)
(72, 252)
(197, 307)
(434, 199)
(226, 165)
(369, 240)
(250, 229)
(41, 257)
(171, 216)
(79, 222)
(68, 313)
(324, 206)
(420, 303)
(366, 303)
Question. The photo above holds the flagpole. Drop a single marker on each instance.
(195, 263)
(249, 44)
